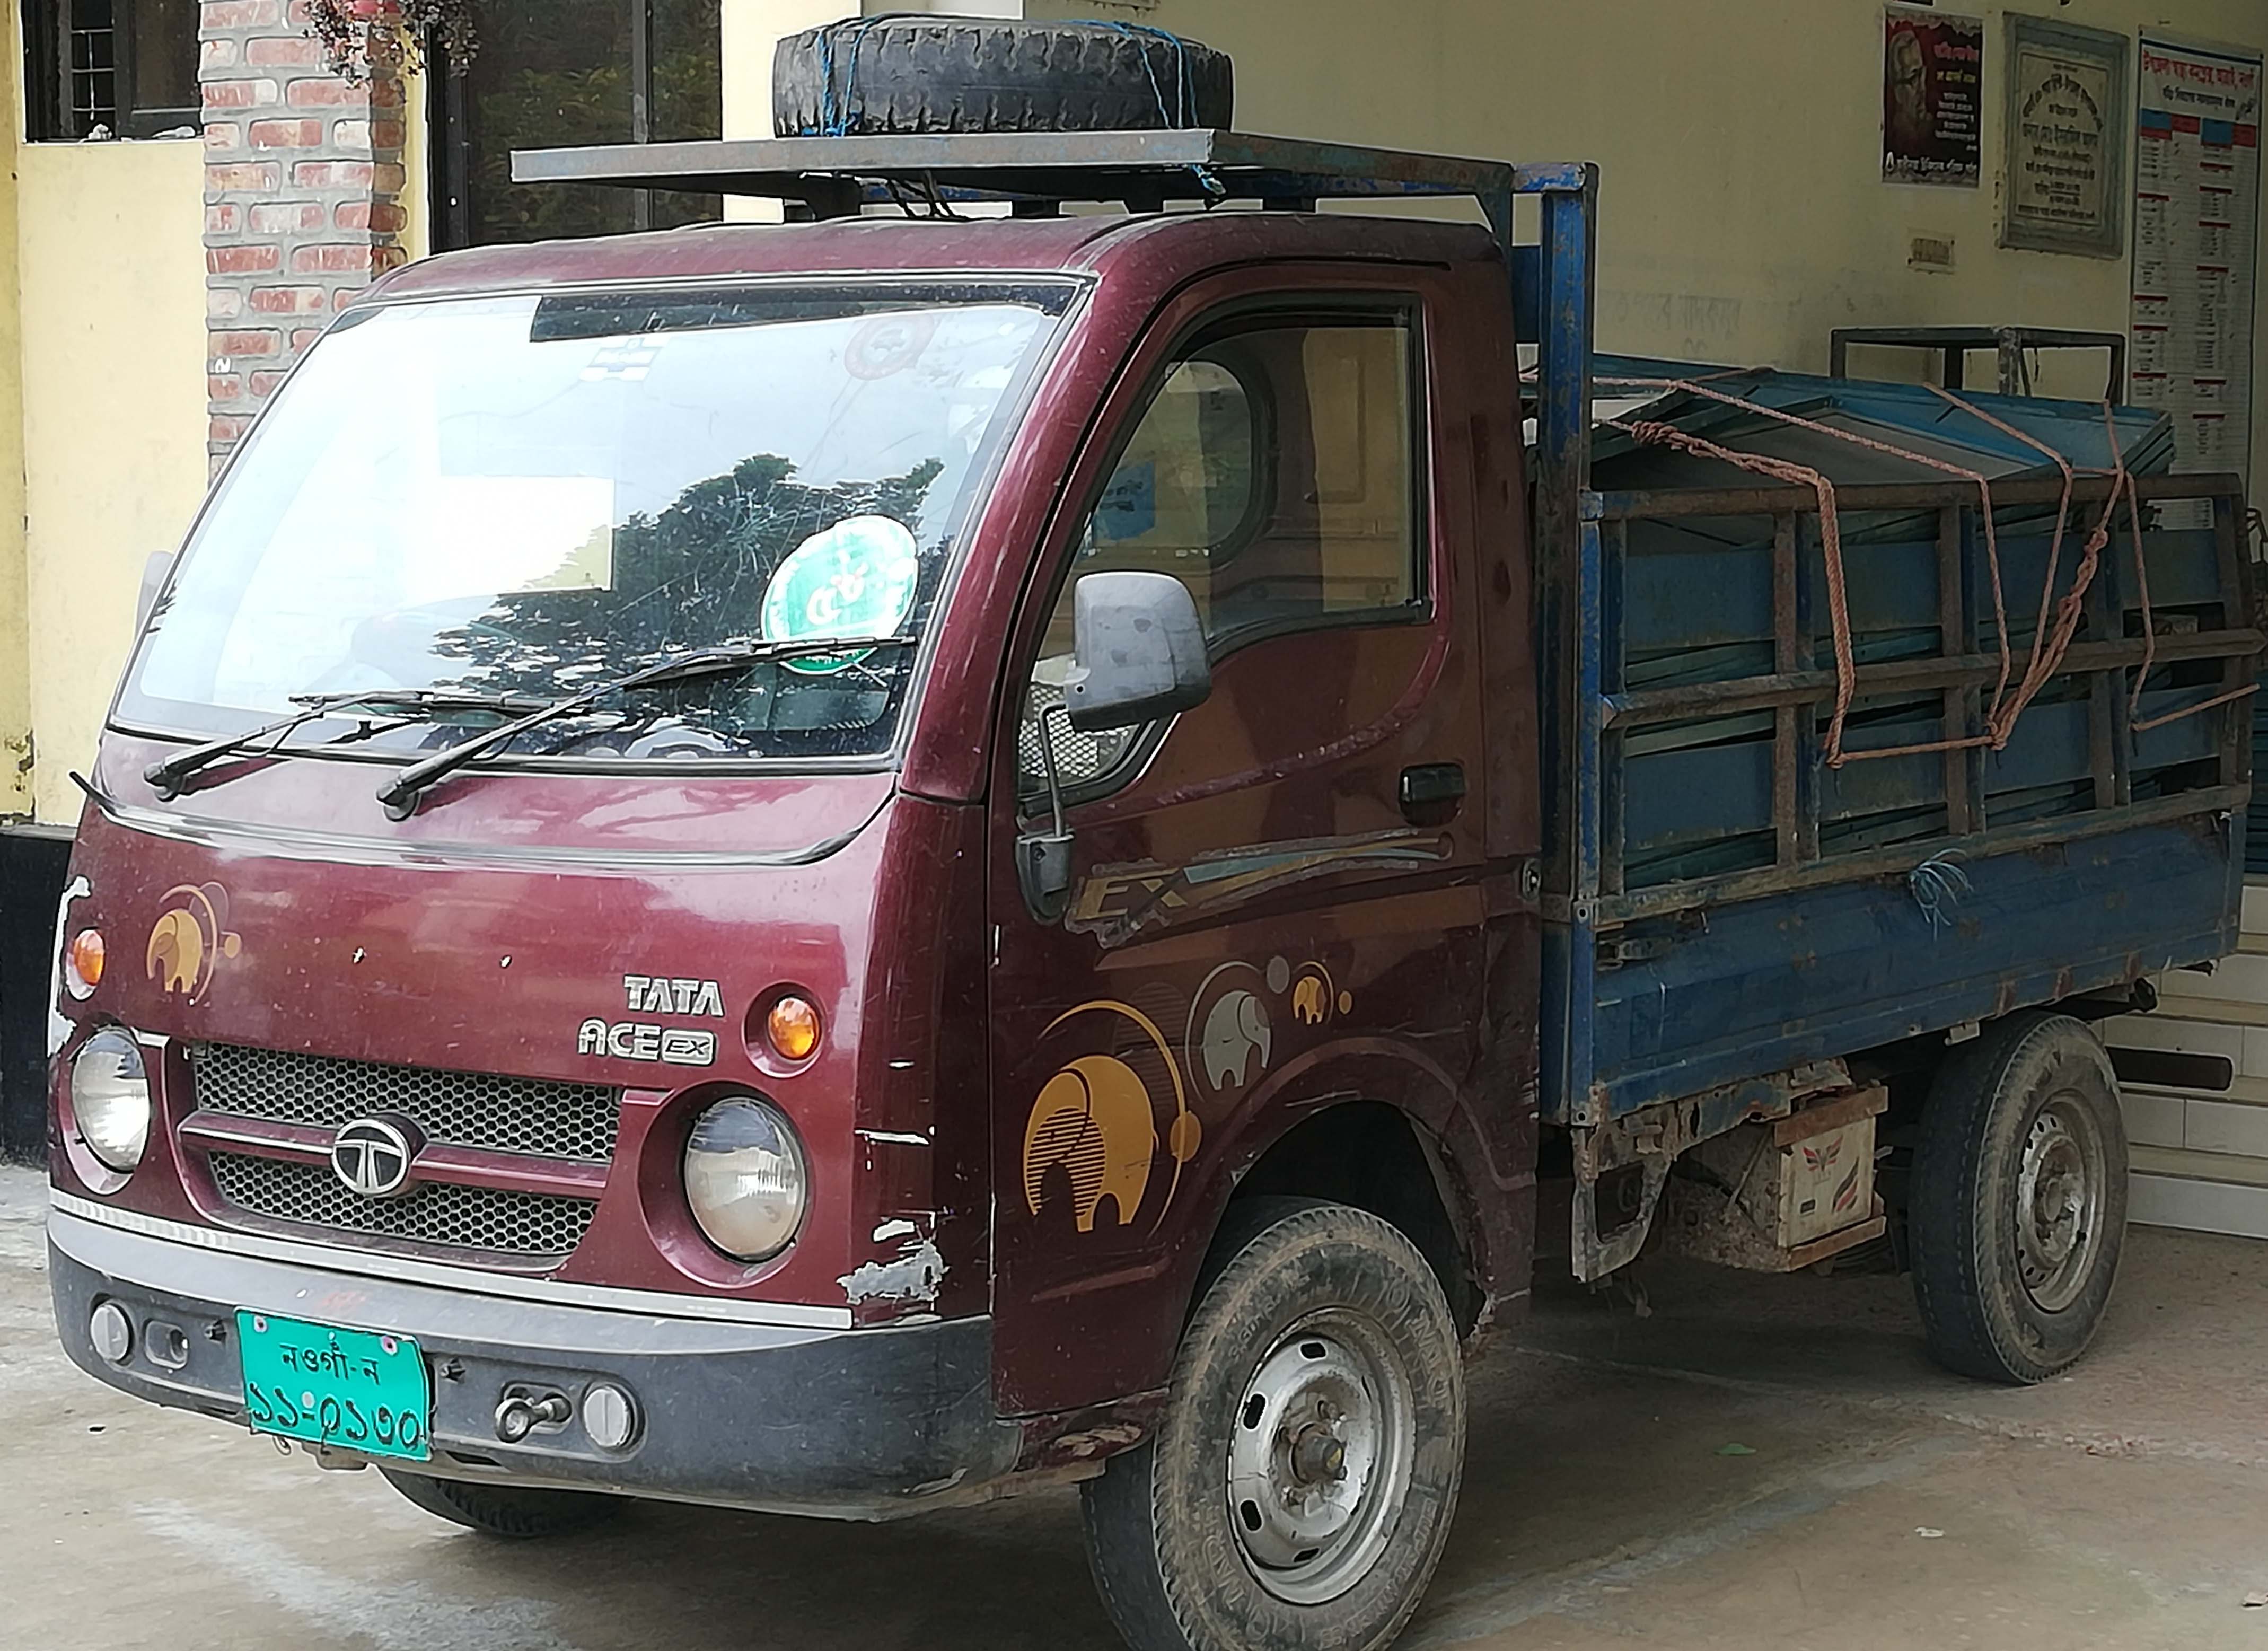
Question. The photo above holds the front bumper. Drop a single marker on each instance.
(850, 1423)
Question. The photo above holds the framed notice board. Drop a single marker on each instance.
(2067, 129)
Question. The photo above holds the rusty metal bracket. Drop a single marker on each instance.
(1596, 1255)
(1653, 1138)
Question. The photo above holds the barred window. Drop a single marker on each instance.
(97, 69)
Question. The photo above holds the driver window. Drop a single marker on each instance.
(1274, 473)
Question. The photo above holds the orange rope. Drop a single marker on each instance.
(2035, 675)
(2050, 644)
(1653, 434)
(2045, 658)
(2234, 694)
(1983, 492)
(2150, 626)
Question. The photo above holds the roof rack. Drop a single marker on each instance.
(1037, 172)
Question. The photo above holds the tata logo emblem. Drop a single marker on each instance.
(665, 994)
(372, 1156)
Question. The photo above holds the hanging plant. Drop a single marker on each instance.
(359, 35)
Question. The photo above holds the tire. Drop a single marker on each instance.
(504, 1510)
(870, 76)
(1308, 1303)
(2017, 1204)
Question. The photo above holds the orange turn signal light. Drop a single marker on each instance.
(792, 1026)
(86, 958)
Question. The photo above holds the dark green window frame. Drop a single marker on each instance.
(474, 204)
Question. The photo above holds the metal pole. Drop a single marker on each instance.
(642, 99)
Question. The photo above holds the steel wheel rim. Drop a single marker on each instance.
(1322, 1452)
(2061, 1190)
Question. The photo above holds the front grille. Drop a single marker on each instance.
(457, 1108)
(459, 1218)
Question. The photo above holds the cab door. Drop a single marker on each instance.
(1276, 900)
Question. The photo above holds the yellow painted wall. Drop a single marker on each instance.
(15, 751)
(1743, 214)
(110, 251)
(102, 394)
(753, 27)
(417, 147)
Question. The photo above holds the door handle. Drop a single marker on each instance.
(1431, 792)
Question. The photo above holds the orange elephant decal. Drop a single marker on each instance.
(1092, 1118)
(189, 938)
(1095, 1127)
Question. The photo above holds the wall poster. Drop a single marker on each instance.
(2066, 122)
(2197, 206)
(1933, 97)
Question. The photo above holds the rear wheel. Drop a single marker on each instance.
(2018, 1210)
(1299, 1487)
(504, 1510)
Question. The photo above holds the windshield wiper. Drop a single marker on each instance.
(402, 793)
(167, 776)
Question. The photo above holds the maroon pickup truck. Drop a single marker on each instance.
(847, 867)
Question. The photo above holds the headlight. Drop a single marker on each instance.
(744, 1177)
(110, 1099)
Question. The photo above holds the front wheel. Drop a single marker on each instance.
(1300, 1483)
(2018, 1209)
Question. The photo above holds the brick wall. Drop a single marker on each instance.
(304, 182)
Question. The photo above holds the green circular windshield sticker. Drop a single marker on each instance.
(855, 580)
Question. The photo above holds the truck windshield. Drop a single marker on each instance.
(530, 495)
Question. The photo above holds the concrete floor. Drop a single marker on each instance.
(1872, 1502)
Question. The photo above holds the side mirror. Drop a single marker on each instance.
(1140, 649)
(155, 572)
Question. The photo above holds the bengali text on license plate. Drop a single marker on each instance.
(356, 1390)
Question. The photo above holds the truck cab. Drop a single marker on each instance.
(769, 935)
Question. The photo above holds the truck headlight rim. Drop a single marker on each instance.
(111, 1105)
(746, 1181)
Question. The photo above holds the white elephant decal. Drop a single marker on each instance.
(1235, 1031)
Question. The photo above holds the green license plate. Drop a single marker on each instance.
(354, 1389)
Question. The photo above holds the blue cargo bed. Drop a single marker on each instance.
(1725, 904)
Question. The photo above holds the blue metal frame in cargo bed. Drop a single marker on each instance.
(2084, 855)
(1735, 907)
(1722, 907)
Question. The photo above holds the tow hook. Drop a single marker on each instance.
(520, 1414)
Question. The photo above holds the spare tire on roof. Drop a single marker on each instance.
(867, 75)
